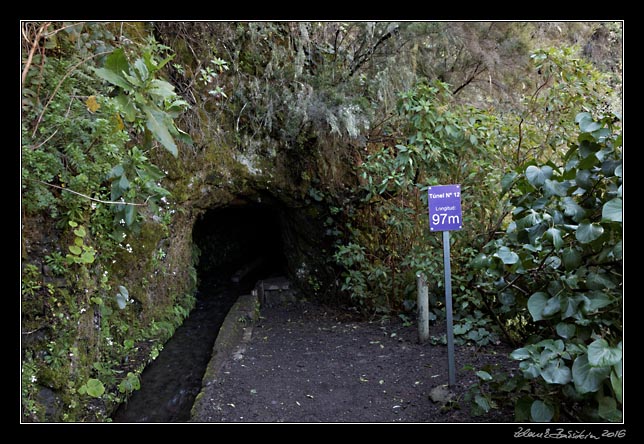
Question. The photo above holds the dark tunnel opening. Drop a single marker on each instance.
(234, 238)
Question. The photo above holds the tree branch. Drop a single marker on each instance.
(109, 202)
(32, 51)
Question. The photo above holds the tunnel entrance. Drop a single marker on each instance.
(242, 236)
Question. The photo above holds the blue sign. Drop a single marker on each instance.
(444, 203)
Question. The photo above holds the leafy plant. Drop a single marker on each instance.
(93, 387)
(559, 266)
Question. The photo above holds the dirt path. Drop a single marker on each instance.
(308, 363)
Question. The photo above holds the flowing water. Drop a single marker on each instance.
(170, 384)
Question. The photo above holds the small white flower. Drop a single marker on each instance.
(83, 310)
(128, 247)
(93, 205)
(33, 378)
(124, 235)
(122, 221)
(109, 341)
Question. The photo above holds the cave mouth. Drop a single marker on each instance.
(238, 236)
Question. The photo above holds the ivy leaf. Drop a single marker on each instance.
(537, 176)
(156, 123)
(553, 305)
(566, 331)
(556, 372)
(600, 354)
(507, 256)
(612, 210)
(587, 379)
(588, 232)
(554, 235)
(555, 188)
(541, 412)
(571, 208)
(536, 304)
(571, 258)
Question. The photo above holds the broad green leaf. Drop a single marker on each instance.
(87, 257)
(566, 331)
(572, 209)
(600, 354)
(117, 62)
(124, 183)
(554, 235)
(130, 214)
(75, 250)
(480, 262)
(612, 210)
(555, 188)
(571, 258)
(583, 116)
(568, 306)
(594, 300)
(156, 123)
(537, 176)
(553, 305)
(600, 281)
(485, 376)
(583, 179)
(80, 231)
(94, 388)
(556, 372)
(541, 412)
(587, 379)
(520, 354)
(507, 256)
(530, 369)
(127, 106)
(482, 402)
(161, 89)
(113, 78)
(536, 304)
(588, 232)
(607, 409)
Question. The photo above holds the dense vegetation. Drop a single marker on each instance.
(125, 124)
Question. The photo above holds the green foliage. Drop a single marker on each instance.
(445, 143)
(93, 387)
(559, 269)
(87, 171)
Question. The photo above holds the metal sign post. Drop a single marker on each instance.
(445, 214)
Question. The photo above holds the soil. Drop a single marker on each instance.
(312, 363)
